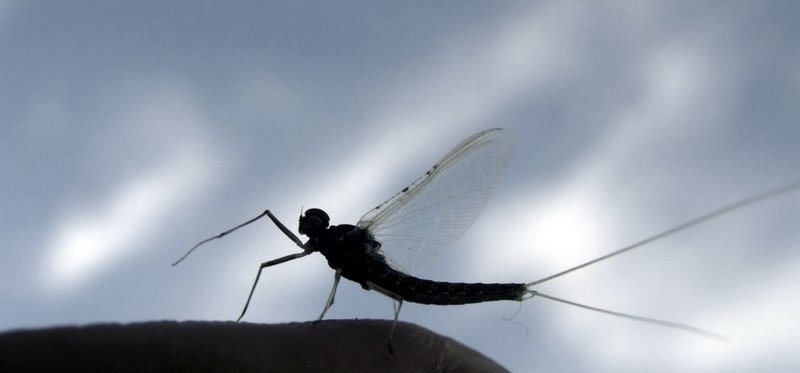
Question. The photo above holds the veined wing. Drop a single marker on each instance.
(435, 210)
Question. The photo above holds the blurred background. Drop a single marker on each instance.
(131, 130)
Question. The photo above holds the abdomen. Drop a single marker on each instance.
(416, 290)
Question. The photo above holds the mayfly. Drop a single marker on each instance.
(427, 216)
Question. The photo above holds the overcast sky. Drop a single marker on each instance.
(131, 130)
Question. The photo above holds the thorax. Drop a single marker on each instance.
(346, 245)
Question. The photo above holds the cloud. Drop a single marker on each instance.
(87, 241)
(90, 239)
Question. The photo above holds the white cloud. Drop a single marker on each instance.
(90, 239)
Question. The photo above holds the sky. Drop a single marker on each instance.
(132, 130)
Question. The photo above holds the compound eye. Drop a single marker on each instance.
(318, 216)
(313, 221)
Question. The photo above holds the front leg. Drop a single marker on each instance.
(275, 220)
(283, 229)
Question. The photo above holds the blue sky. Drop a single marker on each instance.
(133, 129)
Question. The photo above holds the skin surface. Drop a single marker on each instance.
(331, 345)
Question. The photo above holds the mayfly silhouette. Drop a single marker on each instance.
(427, 216)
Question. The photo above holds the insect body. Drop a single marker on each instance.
(428, 216)
(354, 252)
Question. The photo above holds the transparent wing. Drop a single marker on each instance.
(435, 210)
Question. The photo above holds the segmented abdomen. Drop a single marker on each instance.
(416, 290)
